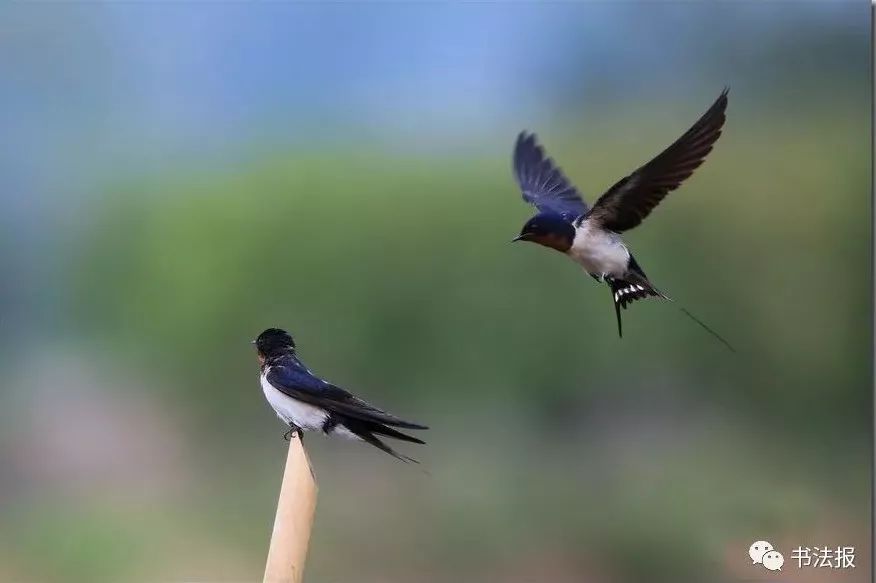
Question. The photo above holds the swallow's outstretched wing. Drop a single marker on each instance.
(542, 182)
(629, 201)
(299, 383)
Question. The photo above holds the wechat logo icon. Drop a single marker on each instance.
(763, 553)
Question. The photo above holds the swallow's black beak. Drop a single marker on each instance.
(520, 237)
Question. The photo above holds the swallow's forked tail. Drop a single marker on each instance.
(366, 431)
(626, 291)
(635, 286)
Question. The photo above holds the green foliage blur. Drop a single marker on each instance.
(397, 278)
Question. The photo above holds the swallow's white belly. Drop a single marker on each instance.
(305, 416)
(599, 252)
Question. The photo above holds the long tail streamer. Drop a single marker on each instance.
(704, 326)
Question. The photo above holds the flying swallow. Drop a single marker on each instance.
(590, 236)
(306, 402)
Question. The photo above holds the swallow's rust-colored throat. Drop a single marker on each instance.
(551, 241)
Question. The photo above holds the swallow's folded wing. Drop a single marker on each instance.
(542, 182)
(629, 201)
(300, 384)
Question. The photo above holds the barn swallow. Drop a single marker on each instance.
(305, 402)
(590, 236)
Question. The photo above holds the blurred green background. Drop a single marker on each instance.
(181, 176)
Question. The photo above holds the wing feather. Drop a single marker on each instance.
(541, 181)
(302, 385)
(632, 198)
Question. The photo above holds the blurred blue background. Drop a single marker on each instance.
(179, 176)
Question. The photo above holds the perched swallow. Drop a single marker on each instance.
(305, 402)
(591, 235)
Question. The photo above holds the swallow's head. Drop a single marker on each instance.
(548, 229)
(274, 342)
